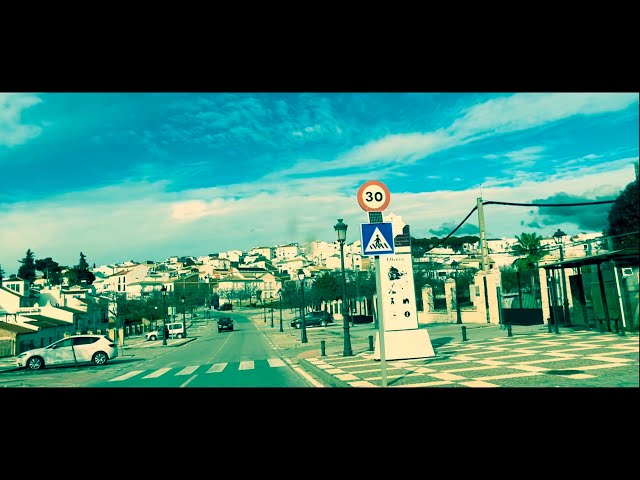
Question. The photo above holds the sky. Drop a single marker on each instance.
(145, 176)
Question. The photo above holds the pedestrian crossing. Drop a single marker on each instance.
(245, 365)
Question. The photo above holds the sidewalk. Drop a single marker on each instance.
(489, 357)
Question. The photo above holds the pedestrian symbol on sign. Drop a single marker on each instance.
(377, 243)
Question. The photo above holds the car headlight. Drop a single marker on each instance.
(22, 355)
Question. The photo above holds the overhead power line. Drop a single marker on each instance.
(513, 204)
(492, 202)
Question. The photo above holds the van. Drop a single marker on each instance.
(176, 330)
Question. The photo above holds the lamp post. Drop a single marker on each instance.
(155, 324)
(341, 230)
(184, 323)
(271, 306)
(163, 290)
(558, 237)
(264, 311)
(280, 295)
(303, 325)
(455, 264)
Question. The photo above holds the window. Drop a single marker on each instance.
(84, 340)
(64, 343)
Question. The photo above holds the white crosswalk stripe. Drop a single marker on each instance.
(126, 376)
(188, 370)
(157, 373)
(218, 367)
(247, 365)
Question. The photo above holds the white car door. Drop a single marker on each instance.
(60, 353)
(84, 348)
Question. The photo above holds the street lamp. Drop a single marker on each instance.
(280, 295)
(341, 230)
(558, 237)
(271, 306)
(455, 264)
(303, 325)
(163, 290)
(184, 323)
(155, 321)
(264, 311)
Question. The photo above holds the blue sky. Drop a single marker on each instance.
(145, 176)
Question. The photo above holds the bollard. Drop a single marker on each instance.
(509, 332)
(371, 343)
(323, 351)
(464, 333)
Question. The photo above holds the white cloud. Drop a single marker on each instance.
(497, 116)
(149, 222)
(527, 110)
(12, 131)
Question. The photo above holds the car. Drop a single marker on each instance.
(360, 318)
(225, 323)
(225, 306)
(317, 318)
(71, 350)
(175, 330)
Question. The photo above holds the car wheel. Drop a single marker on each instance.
(179, 335)
(219, 330)
(153, 337)
(231, 328)
(35, 363)
(298, 325)
(100, 358)
(323, 323)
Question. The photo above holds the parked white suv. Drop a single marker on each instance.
(176, 330)
(76, 349)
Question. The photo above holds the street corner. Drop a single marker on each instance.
(321, 370)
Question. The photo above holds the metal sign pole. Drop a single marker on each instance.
(383, 362)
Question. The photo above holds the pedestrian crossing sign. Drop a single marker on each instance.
(377, 238)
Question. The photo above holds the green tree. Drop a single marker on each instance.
(624, 218)
(81, 272)
(529, 249)
(52, 271)
(27, 270)
(326, 288)
(508, 278)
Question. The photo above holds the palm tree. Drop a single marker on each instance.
(530, 251)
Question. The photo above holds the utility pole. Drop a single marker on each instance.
(483, 235)
(484, 257)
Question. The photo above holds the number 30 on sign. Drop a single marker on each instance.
(374, 196)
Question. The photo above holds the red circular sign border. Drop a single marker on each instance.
(361, 193)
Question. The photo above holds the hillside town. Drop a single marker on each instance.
(39, 312)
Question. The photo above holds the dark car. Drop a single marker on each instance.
(225, 323)
(360, 318)
(319, 318)
(225, 306)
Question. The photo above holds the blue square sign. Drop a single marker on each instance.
(377, 239)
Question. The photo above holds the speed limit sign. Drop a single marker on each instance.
(374, 196)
